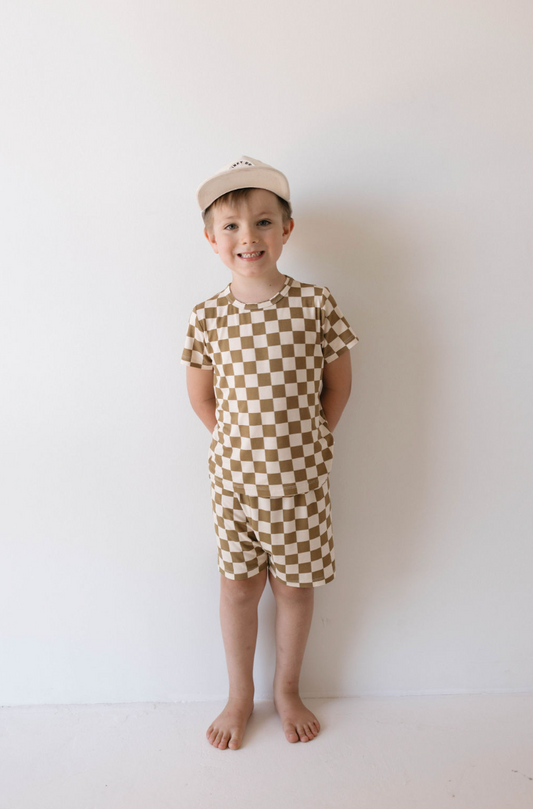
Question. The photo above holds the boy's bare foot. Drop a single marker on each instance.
(299, 723)
(228, 728)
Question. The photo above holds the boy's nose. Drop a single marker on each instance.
(248, 236)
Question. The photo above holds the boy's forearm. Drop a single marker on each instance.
(206, 412)
(333, 403)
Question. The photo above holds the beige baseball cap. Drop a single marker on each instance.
(245, 172)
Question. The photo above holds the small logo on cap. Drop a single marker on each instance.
(241, 163)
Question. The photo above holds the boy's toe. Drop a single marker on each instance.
(291, 734)
(224, 741)
(302, 734)
(234, 742)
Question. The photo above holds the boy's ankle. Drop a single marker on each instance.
(244, 693)
(286, 690)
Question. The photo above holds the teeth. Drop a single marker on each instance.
(250, 255)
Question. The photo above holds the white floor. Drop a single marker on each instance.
(466, 752)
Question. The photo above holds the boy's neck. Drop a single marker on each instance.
(257, 290)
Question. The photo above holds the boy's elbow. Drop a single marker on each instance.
(346, 391)
(337, 375)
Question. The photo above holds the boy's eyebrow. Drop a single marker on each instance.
(263, 213)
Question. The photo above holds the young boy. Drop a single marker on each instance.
(269, 375)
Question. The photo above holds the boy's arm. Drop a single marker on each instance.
(337, 386)
(202, 395)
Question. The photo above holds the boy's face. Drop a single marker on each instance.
(249, 237)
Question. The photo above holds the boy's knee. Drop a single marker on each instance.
(285, 591)
(242, 591)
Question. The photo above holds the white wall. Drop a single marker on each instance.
(406, 131)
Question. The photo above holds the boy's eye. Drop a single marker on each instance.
(232, 225)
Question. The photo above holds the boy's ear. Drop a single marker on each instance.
(287, 230)
(211, 239)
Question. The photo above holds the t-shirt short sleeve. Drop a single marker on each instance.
(337, 334)
(195, 351)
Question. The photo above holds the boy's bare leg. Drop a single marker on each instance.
(294, 611)
(238, 619)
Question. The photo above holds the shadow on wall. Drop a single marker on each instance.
(380, 477)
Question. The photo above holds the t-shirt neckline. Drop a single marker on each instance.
(261, 304)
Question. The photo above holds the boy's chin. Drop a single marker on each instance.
(252, 268)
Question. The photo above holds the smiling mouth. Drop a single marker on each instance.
(251, 255)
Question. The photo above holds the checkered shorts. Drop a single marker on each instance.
(291, 535)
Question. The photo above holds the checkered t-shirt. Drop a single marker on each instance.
(272, 438)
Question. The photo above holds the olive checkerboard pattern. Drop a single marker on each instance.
(271, 438)
(293, 536)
